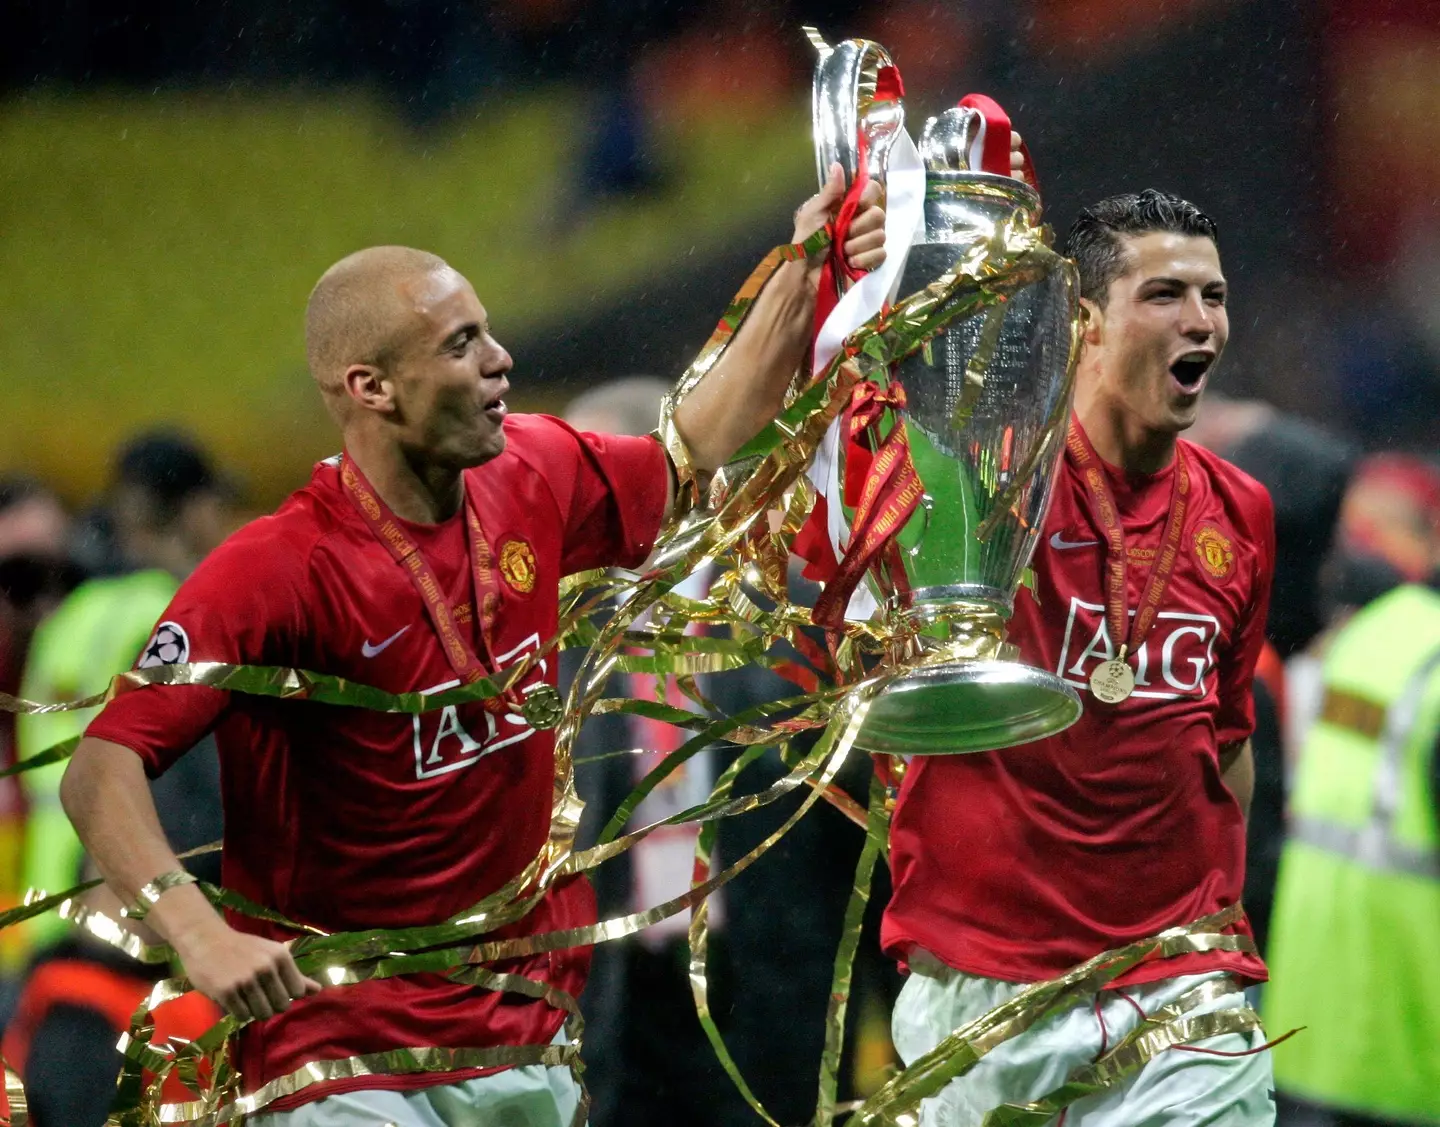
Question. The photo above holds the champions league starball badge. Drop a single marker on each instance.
(169, 645)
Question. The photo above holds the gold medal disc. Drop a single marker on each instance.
(1112, 681)
(542, 708)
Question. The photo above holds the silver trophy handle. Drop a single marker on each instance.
(947, 138)
(843, 104)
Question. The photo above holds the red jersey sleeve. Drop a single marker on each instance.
(1235, 689)
(244, 604)
(610, 488)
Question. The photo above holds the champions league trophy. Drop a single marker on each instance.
(982, 406)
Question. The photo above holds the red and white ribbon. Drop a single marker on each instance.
(904, 224)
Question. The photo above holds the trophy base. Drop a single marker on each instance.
(955, 707)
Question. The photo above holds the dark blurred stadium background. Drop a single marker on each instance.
(175, 175)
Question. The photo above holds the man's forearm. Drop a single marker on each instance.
(746, 388)
(108, 800)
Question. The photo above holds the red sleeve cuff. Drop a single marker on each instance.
(159, 723)
(647, 483)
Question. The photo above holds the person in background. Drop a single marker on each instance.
(33, 521)
(77, 999)
(1357, 906)
(36, 573)
(1304, 467)
(168, 509)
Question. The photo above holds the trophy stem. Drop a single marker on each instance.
(936, 630)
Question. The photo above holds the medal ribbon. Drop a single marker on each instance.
(1105, 512)
(888, 494)
(387, 529)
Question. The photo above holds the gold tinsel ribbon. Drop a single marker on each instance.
(502, 907)
(340, 960)
(958, 1053)
(350, 958)
(15, 1097)
(1170, 1027)
(719, 522)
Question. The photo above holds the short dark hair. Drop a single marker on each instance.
(168, 468)
(1094, 238)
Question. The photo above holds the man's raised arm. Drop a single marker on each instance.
(746, 388)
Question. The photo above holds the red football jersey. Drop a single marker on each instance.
(1018, 864)
(347, 819)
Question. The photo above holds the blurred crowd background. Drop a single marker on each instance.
(174, 176)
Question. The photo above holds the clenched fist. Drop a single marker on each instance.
(246, 975)
(864, 247)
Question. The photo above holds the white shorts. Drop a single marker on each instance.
(531, 1095)
(1174, 1089)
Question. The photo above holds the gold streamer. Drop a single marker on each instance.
(767, 473)
(698, 937)
(113, 933)
(974, 380)
(1165, 1029)
(423, 1059)
(831, 753)
(340, 959)
(963, 1049)
(876, 831)
(15, 1096)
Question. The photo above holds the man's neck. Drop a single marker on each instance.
(415, 491)
(1119, 440)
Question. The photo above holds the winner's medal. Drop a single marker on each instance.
(542, 707)
(1114, 681)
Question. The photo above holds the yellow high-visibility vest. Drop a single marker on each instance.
(1355, 938)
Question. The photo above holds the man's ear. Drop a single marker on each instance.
(368, 387)
(1092, 322)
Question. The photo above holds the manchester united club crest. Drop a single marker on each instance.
(517, 565)
(1214, 551)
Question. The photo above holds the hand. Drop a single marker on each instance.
(1017, 156)
(864, 247)
(247, 976)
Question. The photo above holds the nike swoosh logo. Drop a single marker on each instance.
(370, 651)
(1058, 541)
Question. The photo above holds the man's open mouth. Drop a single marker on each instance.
(1190, 368)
